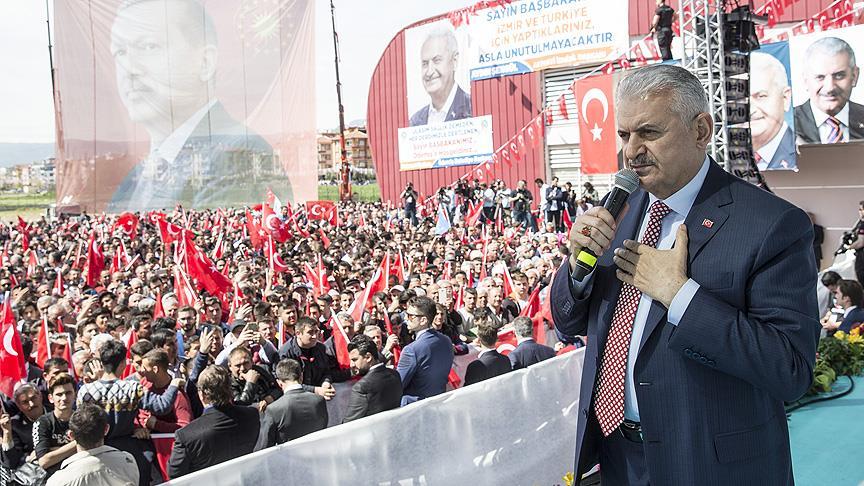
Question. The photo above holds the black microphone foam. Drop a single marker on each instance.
(626, 181)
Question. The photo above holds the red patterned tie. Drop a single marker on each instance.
(609, 406)
(836, 133)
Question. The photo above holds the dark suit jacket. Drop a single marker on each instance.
(808, 132)
(528, 353)
(219, 435)
(711, 389)
(461, 108)
(380, 390)
(785, 157)
(489, 365)
(223, 163)
(424, 366)
(296, 414)
(856, 316)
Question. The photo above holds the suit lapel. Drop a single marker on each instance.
(706, 217)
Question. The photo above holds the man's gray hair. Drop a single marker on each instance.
(22, 389)
(685, 93)
(830, 46)
(524, 327)
(768, 65)
(448, 36)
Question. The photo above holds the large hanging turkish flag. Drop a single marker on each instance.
(597, 133)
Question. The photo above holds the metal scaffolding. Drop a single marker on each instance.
(701, 24)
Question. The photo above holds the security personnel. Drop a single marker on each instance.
(662, 25)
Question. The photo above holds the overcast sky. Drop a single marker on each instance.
(365, 28)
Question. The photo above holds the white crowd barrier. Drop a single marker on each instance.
(519, 428)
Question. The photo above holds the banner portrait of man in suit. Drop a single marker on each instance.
(443, 97)
(827, 65)
(770, 109)
(174, 102)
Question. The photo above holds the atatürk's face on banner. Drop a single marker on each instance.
(163, 63)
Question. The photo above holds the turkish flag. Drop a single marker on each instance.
(169, 232)
(323, 210)
(378, 283)
(157, 309)
(67, 355)
(202, 269)
(186, 294)
(271, 222)
(276, 263)
(130, 338)
(340, 342)
(32, 263)
(597, 137)
(95, 261)
(506, 342)
(43, 347)
(128, 222)
(255, 231)
(12, 360)
(388, 326)
(163, 444)
(473, 214)
(59, 289)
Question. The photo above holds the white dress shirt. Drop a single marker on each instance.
(767, 151)
(680, 204)
(825, 129)
(439, 116)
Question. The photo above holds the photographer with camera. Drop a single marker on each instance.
(857, 244)
(522, 199)
(409, 203)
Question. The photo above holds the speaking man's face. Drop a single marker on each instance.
(438, 65)
(769, 100)
(161, 76)
(829, 81)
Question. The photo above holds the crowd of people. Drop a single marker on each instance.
(225, 331)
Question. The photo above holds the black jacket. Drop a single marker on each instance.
(380, 390)
(220, 434)
(489, 365)
(528, 353)
(22, 442)
(318, 365)
(294, 415)
(246, 393)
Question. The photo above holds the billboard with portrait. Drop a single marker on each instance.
(204, 103)
(442, 130)
(829, 104)
(772, 124)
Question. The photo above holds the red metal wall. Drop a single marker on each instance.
(642, 12)
(512, 101)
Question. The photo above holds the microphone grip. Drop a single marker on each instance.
(586, 260)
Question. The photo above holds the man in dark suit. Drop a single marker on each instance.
(770, 99)
(489, 363)
(692, 350)
(223, 432)
(849, 295)
(830, 74)
(528, 351)
(199, 155)
(425, 364)
(439, 56)
(297, 413)
(379, 390)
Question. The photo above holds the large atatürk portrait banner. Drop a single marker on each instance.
(199, 103)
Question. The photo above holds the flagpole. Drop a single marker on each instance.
(345, 169)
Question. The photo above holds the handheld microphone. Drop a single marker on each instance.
(626, 181)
